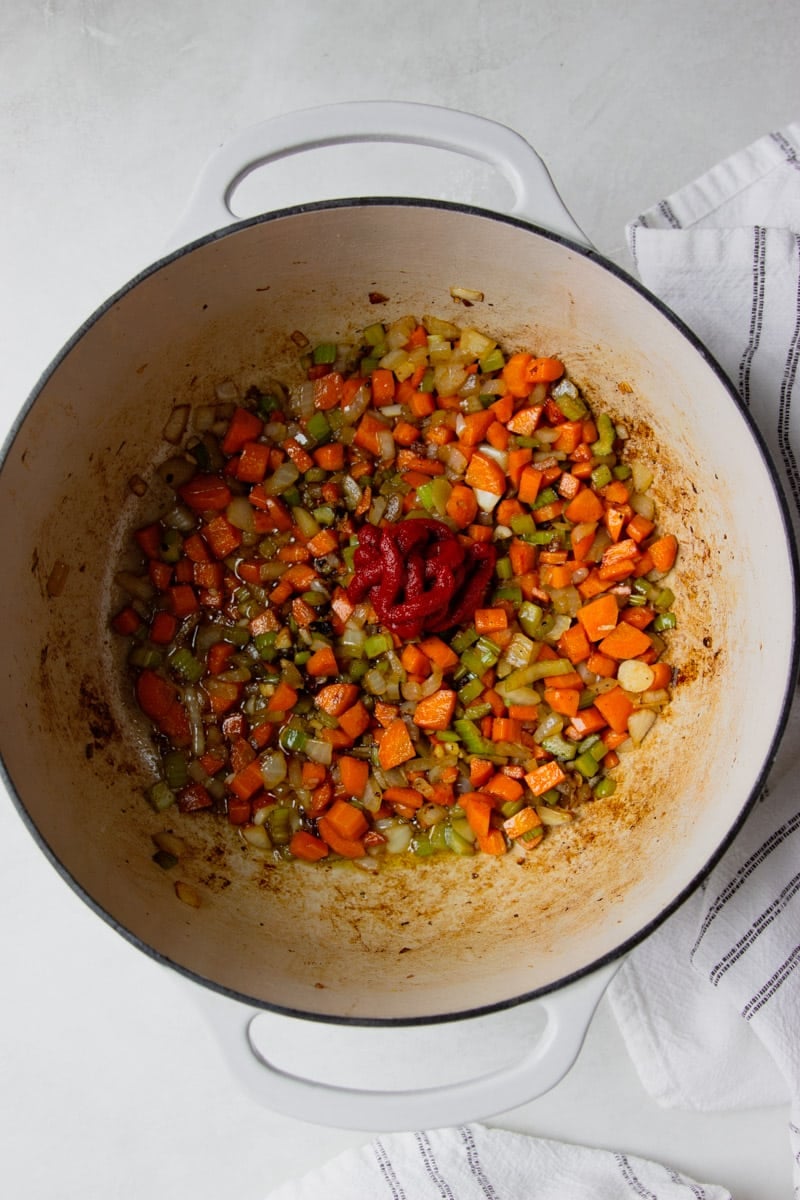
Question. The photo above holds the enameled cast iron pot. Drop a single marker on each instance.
(437, 940)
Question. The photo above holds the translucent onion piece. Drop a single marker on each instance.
(273, 768)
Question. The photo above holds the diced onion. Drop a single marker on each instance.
(635, 676)
(176, 424)
(273, 768)
(640, 722)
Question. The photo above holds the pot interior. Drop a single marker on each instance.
(434, 937)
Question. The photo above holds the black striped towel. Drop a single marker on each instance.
(710, 1004)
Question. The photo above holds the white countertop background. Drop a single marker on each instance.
(110, 1084)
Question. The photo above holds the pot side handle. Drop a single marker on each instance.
(536, 198)
(568, 1014)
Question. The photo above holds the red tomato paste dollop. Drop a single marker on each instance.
(419, 576)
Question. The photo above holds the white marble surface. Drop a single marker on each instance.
(109, 1082)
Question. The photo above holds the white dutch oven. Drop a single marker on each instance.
(437, 940)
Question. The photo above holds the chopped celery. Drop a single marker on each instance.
(293, 736)
(514, 594)
(160, 795)
(378, 644)
(457, 842)
(522, 523)
(559, 747)
(421, 844)
(601, 477)
(530, 617)
(324, 515)
(606, 434)
(375, 334)
(318, 427)
(265, 645)
(463, 639)
(664, 621)
(547, 496)
(470, 691)
(324, 354)
(604, 787)
(145, 656)
(664, 600)
(503, 569)
(571, 406)
(184, 663)
(471, 737)
(170, 546)
(587, 764)
(494, 360)
(176, 769)
(622, 471)
(476, 711)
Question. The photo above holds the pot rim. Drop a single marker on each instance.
(594, 256)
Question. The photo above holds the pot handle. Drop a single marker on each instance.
(568, 1013)
(535, 196)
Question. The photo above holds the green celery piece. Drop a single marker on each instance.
(176, 770)
(664, 621)
(604, 787)
(160, 796)
(324, 354)
(587, 764)
(601, 476)
(606, 434)
(375, 334)
(492, 361)
(560, 748)
(470, 691)
(572, 407)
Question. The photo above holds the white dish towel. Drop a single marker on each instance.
(709, 1005)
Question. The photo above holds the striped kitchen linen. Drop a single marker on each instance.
(710, 1004)
(472, 1162)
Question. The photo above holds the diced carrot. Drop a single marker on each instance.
(504, 729)
(405, 434)
(625, 641)
(246, 782)
(329, 457)
(155, 694)
(461, 506)
(127, 621)
(616, 708)
(485, 474)
(328, 391)
(504, 787)
(522, 372)
(639, 527)
(408, 797)
(480, 770)
(222, 537)
(304, 845)
(588, 720)
(383, 386)
(585, 507)
(523, 712)
(205, 493)
(640, 617)
(614, 519)
(530, 481)
(593, 585)
(414, 660)
(570, 436)
(478, 811)
(521, 823)
(436, 711)
(421, 404)
(545, 777)
(367, 431)
(602, 664)
(183, 600)
(492, 842)
(475, 426)
(396, 746)
(322, 662)
(304, 613)
(163, 628)
(662, 676)
(574, 643)
(354, 720)
(253, 462)
(562, 700)
(525, 422)
(244, 426)
(348, 820)
(498, 436)
(599, 617)
(439, 653)
(346, 847)
(384, 713)
(283, 698)
(354, 774)
(488, 620)
(218, 657)
(664, 551)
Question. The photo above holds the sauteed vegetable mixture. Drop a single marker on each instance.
(414, 604)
